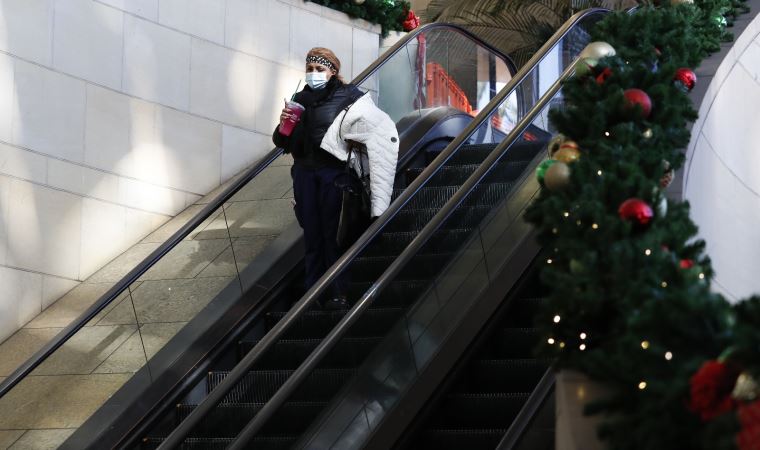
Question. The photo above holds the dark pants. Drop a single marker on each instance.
(317, 209)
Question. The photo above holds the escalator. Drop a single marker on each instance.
(447, 251)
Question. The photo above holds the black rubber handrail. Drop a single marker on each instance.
(133, 275)
(177, 436)
(528, 412)
(291, 384)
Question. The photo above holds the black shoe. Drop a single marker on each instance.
(336, 304)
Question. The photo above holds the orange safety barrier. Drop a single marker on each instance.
(443, 90)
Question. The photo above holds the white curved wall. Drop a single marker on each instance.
(117, 114)
(722, 176)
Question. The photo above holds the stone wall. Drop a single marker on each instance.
(115, 115)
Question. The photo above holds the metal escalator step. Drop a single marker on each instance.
(457, 175)
(459, 439)
(422, 266)
(226, 420)
(414, 219)
(478, 410)
(472, 154)
(501, 375)
(260, 386)
(483, 194)
(511, 343)
(259, 443)
(393, 243)
(289, 354)
(523, 310)
(398, 294)
(316, 324)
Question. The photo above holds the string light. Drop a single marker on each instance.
(647, 252)
(599, 172)
(668, 356)
(595, 226)
(583, 335)
(561, 345)
(583, 347)
(607, 133)
(554, 230)
(642, 385)
(550, 341)
(645, 344)
(701, 276)
(664, 284)
(549, 261)
(556, 319)
(578, 222)
(566, 214)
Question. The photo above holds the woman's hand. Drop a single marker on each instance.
(286, 114)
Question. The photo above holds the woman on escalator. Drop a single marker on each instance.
(330, 117)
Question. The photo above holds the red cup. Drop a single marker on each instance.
(295, 109)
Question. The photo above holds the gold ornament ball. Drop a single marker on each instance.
(555, 143)
(681, 2)
(358, 2)
(597, 50)
(557, 177)
(746, 388)
(585, 66)
(567, 154)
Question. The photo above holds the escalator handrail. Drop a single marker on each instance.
(316, 356)
(133, 275)
(177, 436)
(529, 410)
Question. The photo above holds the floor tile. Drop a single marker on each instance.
(116, 269)
(122, 313)
(186, 260)
(253, 218)
(245, 250)
(43, 439)
(64, 401)
(72, 305)
(21, 346)
(166, 230)
(175, 300)
(283, 160)
(128, 358)
(86, 350)
(156, 335)
(8, 437)
(272, 183)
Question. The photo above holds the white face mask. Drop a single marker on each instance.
(316, 80)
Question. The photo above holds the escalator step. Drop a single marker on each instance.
(289, 354)
(501, 375)
(484, 194)
(457, 175)
(471, 154)
(523, 311)
(511, 343)
(260, 386)
(478, 410)
(394, 243)
(369, 268)
(316, 324)
(259, 443)
(411, 219)
(398, 294)
(226, 420)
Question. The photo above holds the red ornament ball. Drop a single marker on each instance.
(411, 21)
(638, 97)
(686, 78)
(749, 418)
(603, 75)
(710, 389)
(686, 264)
(636, 210)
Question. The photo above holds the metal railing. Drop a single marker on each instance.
(176, 438)
(122, 285)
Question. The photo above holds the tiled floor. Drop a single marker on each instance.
(43, 410)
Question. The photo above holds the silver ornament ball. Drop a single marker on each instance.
(597, 50)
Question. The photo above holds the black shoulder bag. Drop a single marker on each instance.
(355, 205)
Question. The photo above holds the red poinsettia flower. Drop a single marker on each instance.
(411, 22)
(749, 418)
(711, 389)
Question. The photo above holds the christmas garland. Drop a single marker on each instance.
(630, 302)
(391, 15)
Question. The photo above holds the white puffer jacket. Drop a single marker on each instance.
(369, 125)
